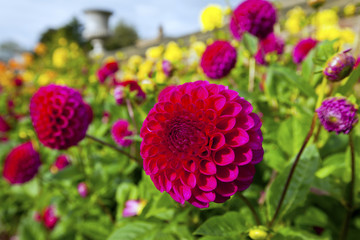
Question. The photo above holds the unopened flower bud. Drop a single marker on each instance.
(339, 66)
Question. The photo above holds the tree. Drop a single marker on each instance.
(123, 35)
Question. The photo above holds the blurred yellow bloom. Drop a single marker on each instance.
(62, 41)
(74, 46)
(154, 52)
(147, 85)
(160, 77)
(28, 58)
(173, 52)
(134, 62)
(328, 32)
(198, 47)
(46, 78)
(120, 55)
(349, 10)
(228, 11)
(60, 57)
(326, 17)
(296, 18)
(212, 17)
(144, 69)
(28, 76)
(128, 76)
(40, 49)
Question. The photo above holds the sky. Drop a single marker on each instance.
(23, 21)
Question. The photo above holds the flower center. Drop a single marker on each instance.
(185, 136)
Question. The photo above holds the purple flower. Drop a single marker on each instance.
(119, 131)
(338, 115)
(167, 67)
(339, 66)
(82, 189)
(133, 208)
(302, 48)
(271, 43)
(254, 16)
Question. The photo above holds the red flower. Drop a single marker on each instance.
(271, 43)
(22, 164)
(218, 59)
(120, 94)
(60, 116)
(107, 70)
(49, 217)
(200, 143)
(254, 16)
(4, 126)
(119, 131)
(302, 48)
(61, 162)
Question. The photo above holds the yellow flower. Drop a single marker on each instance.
(211, 17)
(28, 58)
(60, 57)
(173, 52)
(28, 76)
(46, 78)
(328, 32)
(134, 62)
(40, 49)
(349, 10)
(62, 41)
(296, 18)
(326, 17)
(160, 77)
(154, 52)
(198, 47)
(144, 69)
(147, 85)
(128, 76)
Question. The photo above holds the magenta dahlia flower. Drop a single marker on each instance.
(254, 16)
(218, 59)
(119, 132)
(4, 126)
(270, 44)
(339, 66)
(22, 164)
(337, 115)
(109, 69)
(60, 116)
(302, 48)
(61, 162)
(132, 85)
(200, 143)
(49, 217)
(82, 189)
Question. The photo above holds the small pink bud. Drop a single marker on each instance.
(82, 189)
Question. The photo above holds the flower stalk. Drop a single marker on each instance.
(251, 207)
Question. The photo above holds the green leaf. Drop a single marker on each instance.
(93, 230)
(68, 173)
(135, 231)
(229, 224)
(250, 43)
(295, 234)
(290, 76)
(124, 192)
(332, 165)
(349, 85)
(299, 186)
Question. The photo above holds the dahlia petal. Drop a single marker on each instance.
(255, 139)
(236, 137)
(207, 167)
(212, 88)
(185, 100)
(206, 183)
(210, 114)
(231, 109)
(217, 102)
(246, 172)
(188, 179)
(226, 189)
(220, 199)
(245, 122)
(224, 156)
(153, 125)
(225, 123)
(204, 196)
(229, 94)
(175, 96)
(257, 155)
(243, 155)
(170, 174)
(198, 203)
(243, 185)
(189, 165)
(257, 121)
(217, 141)
(201, 93)
(228, 173)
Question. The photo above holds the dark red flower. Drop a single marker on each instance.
(49, 217)
(18, 81)
(270, 44)
(254, 16)
(22, 164)
(4, 126)
(302, 48)
(120, 91)
(120, 131)
(60, 116)
(218, 59)
(201, 142)
(107, 70)
(61, 162)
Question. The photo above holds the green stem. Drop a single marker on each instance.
(292, 170)
(252, 209)
(251, 74)
(139, 161)
(350, 205)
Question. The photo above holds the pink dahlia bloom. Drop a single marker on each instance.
(4, 126)
(270, 44)
(60, 116)
(218, 59)
(302, 48)
(22, 164)
(109, 69)
(201, 142)
(82, 189)
(133, 208)
(132, 85)
(49, 217)
(61, 162)
(119, 131)
(254, 16)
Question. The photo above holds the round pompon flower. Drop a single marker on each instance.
(60, 116)
(339, 66)
(337, 115)
(200, 143)
(254, 16)
(49, 217)
(270, 44)
(218, 59)
(302, 48)
(22, 164)
(61, 162)
(212, 17)
(107, 70)
(119, 132)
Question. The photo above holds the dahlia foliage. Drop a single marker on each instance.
(246, 130)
